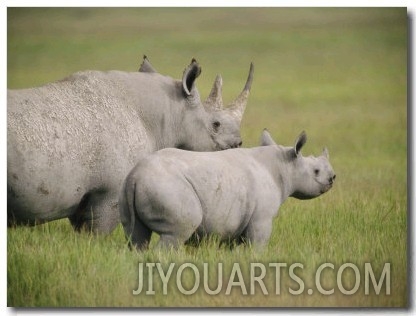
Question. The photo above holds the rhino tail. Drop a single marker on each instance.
(136, 232)
(127, 208)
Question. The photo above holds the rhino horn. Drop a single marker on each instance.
(325, 153)
(214, 100)
(266, 138)
(146, 66)
(189, 75)
(238, 106)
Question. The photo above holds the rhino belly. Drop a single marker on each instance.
(224, 194)
(39, 192)
(227, 211)
(226, 221)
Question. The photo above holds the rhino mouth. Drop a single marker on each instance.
(325, 187)
(231, 147)
(220, 146)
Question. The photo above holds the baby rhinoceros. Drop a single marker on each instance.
(234, 194)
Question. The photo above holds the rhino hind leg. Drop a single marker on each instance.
(97, 212)
(139, 236)
(169, 241)
(179, 232)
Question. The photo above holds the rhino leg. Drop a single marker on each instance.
(169, 208)
(258, 232)
(169, 241)
(97, 212)
(136, 232)
(183, 216)
(139, 236)
(178, 232)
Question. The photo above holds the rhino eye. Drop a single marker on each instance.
(316, 171)
(216, 125)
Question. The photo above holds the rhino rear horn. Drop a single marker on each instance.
(146, 66)
(238, 106)
(325, 153)
(189, 76)
(266, 138)
(214, 100)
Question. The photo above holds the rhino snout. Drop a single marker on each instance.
(222, 144)
(328, 186)
(236, 144)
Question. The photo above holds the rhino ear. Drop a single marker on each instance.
(266, 139)
(189, 76)
(299, 143)
(146, 66)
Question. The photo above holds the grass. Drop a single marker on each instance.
(339, 74)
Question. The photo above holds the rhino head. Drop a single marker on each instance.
(206, 126)
(309, 176)
(225, 122)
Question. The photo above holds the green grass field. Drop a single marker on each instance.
(338, 74)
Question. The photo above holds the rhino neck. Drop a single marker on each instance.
(167, 115)
(163, 135)
(160, 111)
(275, 160)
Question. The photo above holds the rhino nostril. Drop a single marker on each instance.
(239, 144)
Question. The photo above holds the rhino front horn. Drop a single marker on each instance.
(238, 106)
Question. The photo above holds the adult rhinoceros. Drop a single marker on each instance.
(71, 143)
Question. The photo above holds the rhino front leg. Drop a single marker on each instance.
(97, 212)
(258, 232)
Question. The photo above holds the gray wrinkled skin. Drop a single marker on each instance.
(71, 143)
(234, 193)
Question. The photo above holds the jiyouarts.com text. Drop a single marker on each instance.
(268, 278)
